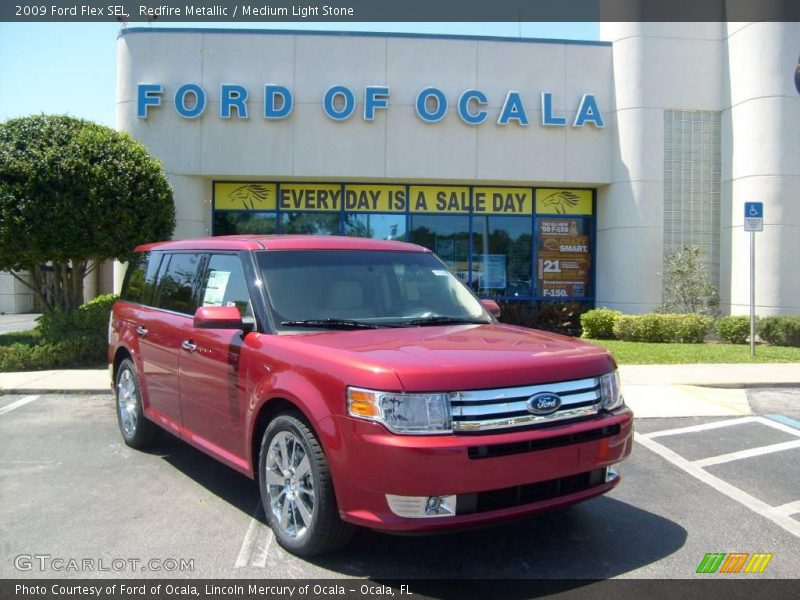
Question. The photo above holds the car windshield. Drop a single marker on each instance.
(358, 289)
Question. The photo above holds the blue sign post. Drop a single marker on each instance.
(753, 221)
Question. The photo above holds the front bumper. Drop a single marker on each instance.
(494, 477)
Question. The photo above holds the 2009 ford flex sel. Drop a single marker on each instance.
(361, 383)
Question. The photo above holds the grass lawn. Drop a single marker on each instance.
(640, 353)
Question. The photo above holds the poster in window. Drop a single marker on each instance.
(563, 258)
(215, 288)
(489, 271)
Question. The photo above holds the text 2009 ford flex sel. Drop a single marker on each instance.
(361, 383)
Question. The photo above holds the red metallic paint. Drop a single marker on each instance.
(212, 397)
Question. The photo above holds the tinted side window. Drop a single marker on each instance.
(176, 284)
(225, 284)
(141, 277)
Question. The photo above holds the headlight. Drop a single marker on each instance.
(402, 413)
(610, 394)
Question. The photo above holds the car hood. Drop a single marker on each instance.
(460, 357)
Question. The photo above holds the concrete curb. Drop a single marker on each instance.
(746, 386)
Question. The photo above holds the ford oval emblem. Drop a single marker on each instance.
(544, 404)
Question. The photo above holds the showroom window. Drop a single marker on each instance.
(502, 256)
(310, 223)
(376, 226)
(447, 236)
(506, 242)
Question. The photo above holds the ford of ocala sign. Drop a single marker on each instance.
(339, 104)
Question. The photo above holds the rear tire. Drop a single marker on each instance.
(137, 431)
(297, 491)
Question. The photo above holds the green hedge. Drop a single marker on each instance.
(734, 329)
(660, 328)
(73, 352)
(780, 331)
(598, 324)
(61, 341)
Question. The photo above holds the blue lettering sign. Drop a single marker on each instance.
(472, 96)
(231, 96)
(548, 118)
(375, 97)
(513, 110)
(182, 106)
(329, 103)
(273, 109)
(588, 112)
(148, 94)
(422, 105)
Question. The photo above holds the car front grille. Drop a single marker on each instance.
(528, 493)
(546, 443)
(505, 408)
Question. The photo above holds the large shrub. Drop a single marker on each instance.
(90, 320)
(658, 327)
(734, 329)
(780, 331)
(72, 194)
(598, 324)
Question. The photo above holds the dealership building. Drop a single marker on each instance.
(536, 169)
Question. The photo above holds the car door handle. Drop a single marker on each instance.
(142, 331)
(188, 345)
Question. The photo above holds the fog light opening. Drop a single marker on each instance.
(422, 507)
(612, 472)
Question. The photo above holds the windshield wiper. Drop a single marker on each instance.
(330, 324)
(444, 320)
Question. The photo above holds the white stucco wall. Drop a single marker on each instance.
(657, 66)
(397, 145)
(743, 71)
(761, 120)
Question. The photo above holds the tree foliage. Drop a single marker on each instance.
(72, 194)
(687, 284)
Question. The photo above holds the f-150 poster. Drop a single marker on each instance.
(564, 259)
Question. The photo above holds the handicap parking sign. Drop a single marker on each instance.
(754, 216)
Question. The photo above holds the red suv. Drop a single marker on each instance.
(361, 383)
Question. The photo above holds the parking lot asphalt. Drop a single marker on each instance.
(70, 489)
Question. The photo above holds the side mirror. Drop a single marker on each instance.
(221, 317)
(491, 306)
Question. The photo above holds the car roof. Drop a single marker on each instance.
(282, 242)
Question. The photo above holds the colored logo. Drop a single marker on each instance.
(734, 562)
(562, 201)
(250, 196)
(544, 403)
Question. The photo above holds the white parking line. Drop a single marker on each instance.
(17, 404)
(789, 508)
(256, 544)
(706, 426)
(757, 506)
(779, 426)
(723, 458)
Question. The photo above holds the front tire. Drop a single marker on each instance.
(136, 430)
(297, 491)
